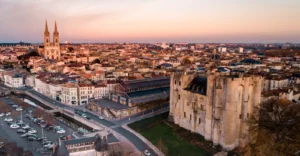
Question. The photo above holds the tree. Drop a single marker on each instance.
(19, 102)
(38, 113)
(4, 107)
(276, 130)
(120, 150)
(49, 118)
(161, 146)
(70, 49)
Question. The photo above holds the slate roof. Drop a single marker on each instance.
(146, 83)
(148, 92)
(198, 85)
(80, 140)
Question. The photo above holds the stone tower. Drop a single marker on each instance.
(214, 105)
(46, 35)
(55, 36)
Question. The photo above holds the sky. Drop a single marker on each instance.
(153, 21)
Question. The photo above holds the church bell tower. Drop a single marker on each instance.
(46, 36)
(55, 36)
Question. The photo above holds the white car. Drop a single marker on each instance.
(101, 117)
(8, 113)
(32, 131)
(50, 145)
(8, 119)
(147, 153)
(19, 109)
(14, 126)
(26, 127)
(83, 115)
(61, 131)
(2, 114)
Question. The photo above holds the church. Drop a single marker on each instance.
(51, 51)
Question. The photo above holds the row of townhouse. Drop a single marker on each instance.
(71, 92)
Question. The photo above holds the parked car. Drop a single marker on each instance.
(101, 117)
(26, 127)
(19, 109)
(2, 114)
(87, 117)
(8, 113)
(15, 106)
(21, 131)
(50, 145)
(61, 131)
(32, 131)
(14, 126)
(10, 122)
(9, 119)
(83, 115)
(49, 128)
(47, 142)
(43, 124)
(63, 137)
(147, 153)
(24, 135)
(31, 138)
(19, 122)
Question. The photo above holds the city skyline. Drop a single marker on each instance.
(152, 21)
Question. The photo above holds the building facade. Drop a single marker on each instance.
(215, 106)
(51, 50)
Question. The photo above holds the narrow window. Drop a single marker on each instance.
(240, 116)
(175, 82)
(190, 117)
(184, 115)
(178, 97)
(179, 83)
(199, 121)
(201, 107)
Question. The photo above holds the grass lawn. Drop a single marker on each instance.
(154, 130)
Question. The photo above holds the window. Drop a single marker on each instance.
(184, 115)
(199, 121)
(240, 116)
(179, 83)
(178, 97)
(175, 82)
(201, 107)
(190, 117)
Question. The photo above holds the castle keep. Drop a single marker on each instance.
(215, 106)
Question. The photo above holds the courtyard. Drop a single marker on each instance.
(156, 130)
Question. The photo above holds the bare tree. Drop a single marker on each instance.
(121, 150)
(38, 113)
(19, 102)
(276, 130)
(4, 107)
(49, 118)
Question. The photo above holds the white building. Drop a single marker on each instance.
(85, 91)
(101, 91)
(69, 94)
(13, 80)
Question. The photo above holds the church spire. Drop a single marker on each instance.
(55, 27)
(46, 29)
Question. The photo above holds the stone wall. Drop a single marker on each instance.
(221, 114)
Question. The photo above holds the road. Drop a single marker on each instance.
(114, 125)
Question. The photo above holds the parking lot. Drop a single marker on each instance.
(34, 146)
